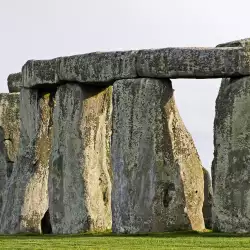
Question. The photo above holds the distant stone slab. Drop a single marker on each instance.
(103, 68)
(9, 138)
(230, 168)
(157, 174)
(15, 82)
(208, 199)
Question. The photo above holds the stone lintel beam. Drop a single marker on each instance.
(15, 82)
(96, 68)
(103, 68)
(192, 63)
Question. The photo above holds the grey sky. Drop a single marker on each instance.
(43, 29)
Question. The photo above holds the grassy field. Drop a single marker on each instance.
(108, 241)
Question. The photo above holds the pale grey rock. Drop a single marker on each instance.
(193, 62)
(208, 200)
(98, 67)
(9, 137)
(27, 190)
(157, 174)
(80, 173)
(15, 82)
(231, 163)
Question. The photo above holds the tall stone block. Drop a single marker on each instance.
(80, 174)
(231, 164)
(157, 174)
(27, 190)
(9, 138)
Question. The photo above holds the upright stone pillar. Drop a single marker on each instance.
(158, 179)
(27, 190)
(231, 164)
(9, 138)
(80, 173)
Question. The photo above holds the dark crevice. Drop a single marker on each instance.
(9, 168)
(45, 223)
(53, 87)
(167, 197)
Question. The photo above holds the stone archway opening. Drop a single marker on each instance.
(195, 99)
(45, 223)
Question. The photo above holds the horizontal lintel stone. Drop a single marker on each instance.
(96, 68)
(103, 68)
(193, 63)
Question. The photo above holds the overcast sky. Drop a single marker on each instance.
(43, 29)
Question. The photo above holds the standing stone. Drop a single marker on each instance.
(231, 164)
(27, 190)
(9, 137)
(80, 175)
(158, 179)
(208, 200)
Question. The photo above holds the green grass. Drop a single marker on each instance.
(108, 241)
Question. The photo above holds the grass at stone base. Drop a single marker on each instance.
(187, 240)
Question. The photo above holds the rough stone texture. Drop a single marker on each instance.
(238, 43)
(158, 179)
(208, 200)
(103, 68)
(80, 176)
(27, 193)
(40, 72)
(96, 68)
(9, 137)
(231, 164)
(15, 82)
(193, 62)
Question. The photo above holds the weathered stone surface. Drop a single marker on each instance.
(158, 179)
(9, 137)
(103, 68)
(245, 43)
(208, 200)
(27, 189)
(96, 68)
(80, 175)
(231, 164)
(99, 67)
(193, 62)
(40, 73)
(15, 82)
